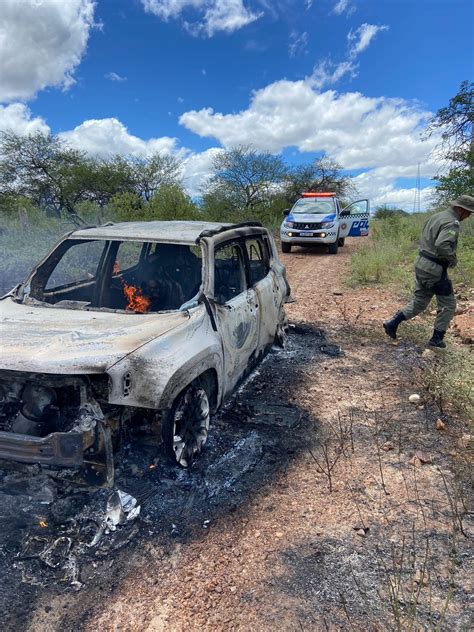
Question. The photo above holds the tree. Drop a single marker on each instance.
(244, 178)
(322, 175)
(170, 202)
(58, 178)
(102, 179)
(151, 173)
(125, 207)
(384, 211)
(456, 123)
(457, 181)
(42, 168)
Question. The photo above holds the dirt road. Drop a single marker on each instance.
(325, 501)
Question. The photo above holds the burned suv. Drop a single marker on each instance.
(130, 324)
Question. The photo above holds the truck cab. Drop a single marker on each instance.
(319, 218)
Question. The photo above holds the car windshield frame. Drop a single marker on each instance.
(35, 290)
(312, 205)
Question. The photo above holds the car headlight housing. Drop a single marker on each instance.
(289, 224)
(327, 224)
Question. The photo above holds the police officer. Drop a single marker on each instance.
(438, 245)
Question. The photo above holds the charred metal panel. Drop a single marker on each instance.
(54, 340)
(183, 232)
(166, 365)
(59, 448)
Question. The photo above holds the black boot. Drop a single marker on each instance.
(437, 339)
(391, 325)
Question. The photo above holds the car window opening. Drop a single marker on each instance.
(229, 273)
(132, 276)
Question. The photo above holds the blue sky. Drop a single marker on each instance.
(356, 79)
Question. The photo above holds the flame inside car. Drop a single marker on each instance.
(136, 302)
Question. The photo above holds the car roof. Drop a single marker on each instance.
(171, 232)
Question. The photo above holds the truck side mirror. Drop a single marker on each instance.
(286, 212)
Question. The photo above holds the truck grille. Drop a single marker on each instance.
(307, 226)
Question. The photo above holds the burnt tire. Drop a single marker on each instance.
(334, 247)
(186, 426)
(285, 247)
(341, 241)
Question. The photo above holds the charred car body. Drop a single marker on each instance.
(154, 321)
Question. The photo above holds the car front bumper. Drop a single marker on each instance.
(290, 236)
(58, 448)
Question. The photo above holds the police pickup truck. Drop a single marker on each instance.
(318, 218)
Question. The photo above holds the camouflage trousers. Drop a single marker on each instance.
(429, 285)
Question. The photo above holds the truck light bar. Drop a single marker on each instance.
(318, 194)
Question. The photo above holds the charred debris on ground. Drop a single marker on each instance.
(54, 534)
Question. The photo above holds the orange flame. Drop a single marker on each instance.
(136, 302)
(43, 524)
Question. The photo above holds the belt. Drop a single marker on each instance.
(441, 262)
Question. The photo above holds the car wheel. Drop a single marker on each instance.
(341, 241)
(333, 247)
(186, 426)
(285, 247)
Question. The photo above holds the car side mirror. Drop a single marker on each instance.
(286, 212)
(344, 213)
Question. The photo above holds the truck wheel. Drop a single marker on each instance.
(341, 241)
(333, 247)
(285, 247)
(186, 426)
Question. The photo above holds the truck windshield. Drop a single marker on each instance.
(314, 205)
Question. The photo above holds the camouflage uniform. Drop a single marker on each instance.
(438, 245)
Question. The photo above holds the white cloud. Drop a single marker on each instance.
(298, 43)
(358, 130)
(113, 76)
(107, 137)
(360, 39)
(342, 6)
(41, 44)
(327, 72)
(308, 4)
(379, 185)
(17, 118)
(214, 15)
(197, 167)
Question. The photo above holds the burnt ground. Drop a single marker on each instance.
(324, 499)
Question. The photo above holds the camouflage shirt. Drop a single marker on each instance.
(439, 237)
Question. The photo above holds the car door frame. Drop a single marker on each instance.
(354, 224)
(268, 294)
(237, 322)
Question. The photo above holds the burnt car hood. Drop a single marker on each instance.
(67, 341)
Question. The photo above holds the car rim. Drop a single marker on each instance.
(190, 425)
